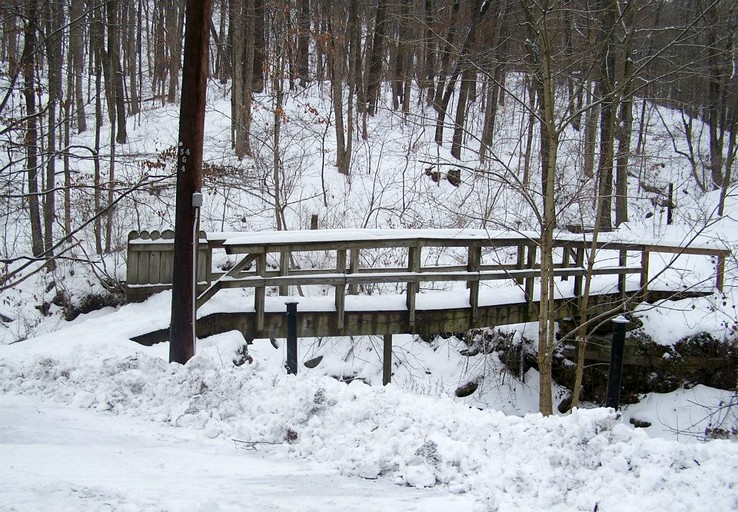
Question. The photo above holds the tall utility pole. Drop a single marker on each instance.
(189, 180)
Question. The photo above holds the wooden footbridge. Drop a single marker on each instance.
(384, 282)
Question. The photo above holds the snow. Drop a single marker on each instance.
(62, 459)
(93, 421)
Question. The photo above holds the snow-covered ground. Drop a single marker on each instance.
(64, 459)
(92, 421)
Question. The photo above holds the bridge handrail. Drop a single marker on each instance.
(252, 270)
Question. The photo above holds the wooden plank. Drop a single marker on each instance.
(215, 287)
(132, 267)
(335, 279)
(166, 265)
(143, 268)
(155, 273)
(208, 293)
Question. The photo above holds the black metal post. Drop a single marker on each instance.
(615, 373)
(291, 338)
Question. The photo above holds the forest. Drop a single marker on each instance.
(537, 114)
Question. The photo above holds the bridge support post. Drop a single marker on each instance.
(291, 338)
(387, 360)
(615, 372)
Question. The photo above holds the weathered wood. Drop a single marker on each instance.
(520, 259)
(387, 360)
(565, 257)
(578, 280)
(145, 247)
(340, 291)
(284, 264)
(361, 323)
(413, 265)
(474, 261)
(354, 265)
(260, 292)
(530, 280)
(622, 262)
(336, 279)
(155, 271)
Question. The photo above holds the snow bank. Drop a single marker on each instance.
(583, 461)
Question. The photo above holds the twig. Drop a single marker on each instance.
(250, 445)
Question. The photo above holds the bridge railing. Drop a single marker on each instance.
(266, 260)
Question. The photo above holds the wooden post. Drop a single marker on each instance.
(578, 280)
(622, 262)
(413, 265)
(353, 268)
(720, 279)
(284, 265)
(340, 289)
(260, 291)
(520, 263)
(645, 257)
(530, 281)
(565, 260)
(189, 180)
(474, 263)
(387, 360)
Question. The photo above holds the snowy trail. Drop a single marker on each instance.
(64, 459)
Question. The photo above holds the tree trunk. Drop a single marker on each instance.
(175, 24)
(303, 42)
(376, 59)
(336, 60)
(355, 75)
(256, 34)
(427, 73)
(133, 50)
(28, 64)
(77, 63)
(492, 82)
(462, 67)
(54, 19)
(624, 133)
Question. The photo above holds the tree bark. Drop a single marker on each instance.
(77, 63)
(376, 59)
(28, 63)
(303, 42)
